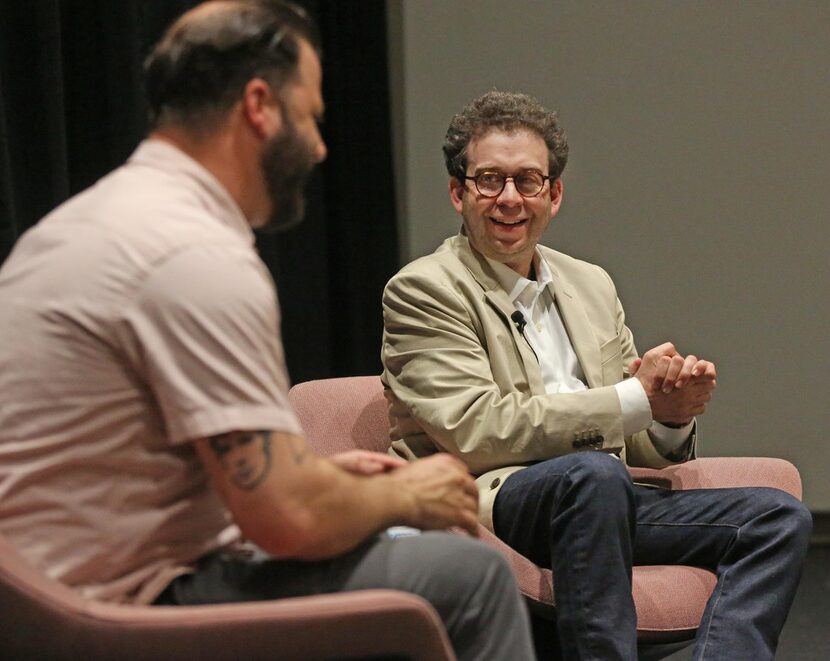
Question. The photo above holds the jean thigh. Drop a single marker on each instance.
(234, 576)
(562, 493)
(694, 526)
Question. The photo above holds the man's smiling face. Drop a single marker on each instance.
(506, 228)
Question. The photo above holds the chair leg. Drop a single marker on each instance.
(662, 650)
(545, 640)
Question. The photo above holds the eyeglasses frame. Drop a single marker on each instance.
(545, 177)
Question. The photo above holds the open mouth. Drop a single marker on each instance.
(509, 223)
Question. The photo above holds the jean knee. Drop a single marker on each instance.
(601, 471)
(495, 575)
(465, 557)
(787, 515)
(480, 573)
(798, 518)
(482, 559)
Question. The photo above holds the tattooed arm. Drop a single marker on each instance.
(294, 503)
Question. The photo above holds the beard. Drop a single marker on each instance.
(286, 163)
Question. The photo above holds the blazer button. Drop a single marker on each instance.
(495, 483)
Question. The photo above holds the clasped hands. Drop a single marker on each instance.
(678, 388)
(441, 492)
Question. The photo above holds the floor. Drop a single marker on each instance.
(806, 635)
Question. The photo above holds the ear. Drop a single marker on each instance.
(456, 189)
(261, 108)
(555, 196)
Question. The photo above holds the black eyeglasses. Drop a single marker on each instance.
(490, 183)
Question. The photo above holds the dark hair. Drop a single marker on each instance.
(504, 111)
(200, 67)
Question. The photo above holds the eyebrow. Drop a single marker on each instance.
(493, 168)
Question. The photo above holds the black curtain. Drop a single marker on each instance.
(72, 108)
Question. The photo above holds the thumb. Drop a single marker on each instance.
(634, 367)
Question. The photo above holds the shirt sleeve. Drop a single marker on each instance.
(636, 411)
(204, 328)
(636, 415)
(668, 440)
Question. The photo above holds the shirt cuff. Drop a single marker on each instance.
(634, 406)
(668, 440)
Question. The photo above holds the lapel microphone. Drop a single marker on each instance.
(519, 319)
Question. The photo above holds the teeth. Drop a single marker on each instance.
(504, 222)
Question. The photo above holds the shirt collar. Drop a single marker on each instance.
(218, 201)
(521, 289)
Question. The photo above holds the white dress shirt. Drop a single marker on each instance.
(558, 363)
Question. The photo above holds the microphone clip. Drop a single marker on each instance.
(519, 319)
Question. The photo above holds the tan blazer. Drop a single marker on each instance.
(459, 377)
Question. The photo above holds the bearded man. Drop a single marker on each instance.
(144, 387)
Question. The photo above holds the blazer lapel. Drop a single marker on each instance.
(579, 329)
(501, 302)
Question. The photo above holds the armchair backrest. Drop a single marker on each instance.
(342, 414)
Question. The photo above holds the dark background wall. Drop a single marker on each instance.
(72, 108)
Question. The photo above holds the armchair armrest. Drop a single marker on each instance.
(360, 624)
(45, 619)
(723, 472)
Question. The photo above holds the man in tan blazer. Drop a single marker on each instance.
(516, 358)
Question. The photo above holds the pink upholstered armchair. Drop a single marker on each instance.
(346, 413)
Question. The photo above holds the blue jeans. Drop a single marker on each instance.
(581, 516)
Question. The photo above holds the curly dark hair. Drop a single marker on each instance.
(200, 67)
(504, 111)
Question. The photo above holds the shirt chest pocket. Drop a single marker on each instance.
(610, 355)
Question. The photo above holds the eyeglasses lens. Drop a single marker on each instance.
(492, 184)
(529, 183)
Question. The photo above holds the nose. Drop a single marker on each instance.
(320, 150)
(509, 195)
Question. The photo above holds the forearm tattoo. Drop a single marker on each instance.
(246, 456)
(298, 449)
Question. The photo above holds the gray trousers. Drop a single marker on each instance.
(468, 584)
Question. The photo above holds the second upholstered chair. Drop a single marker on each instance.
(350, 412)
